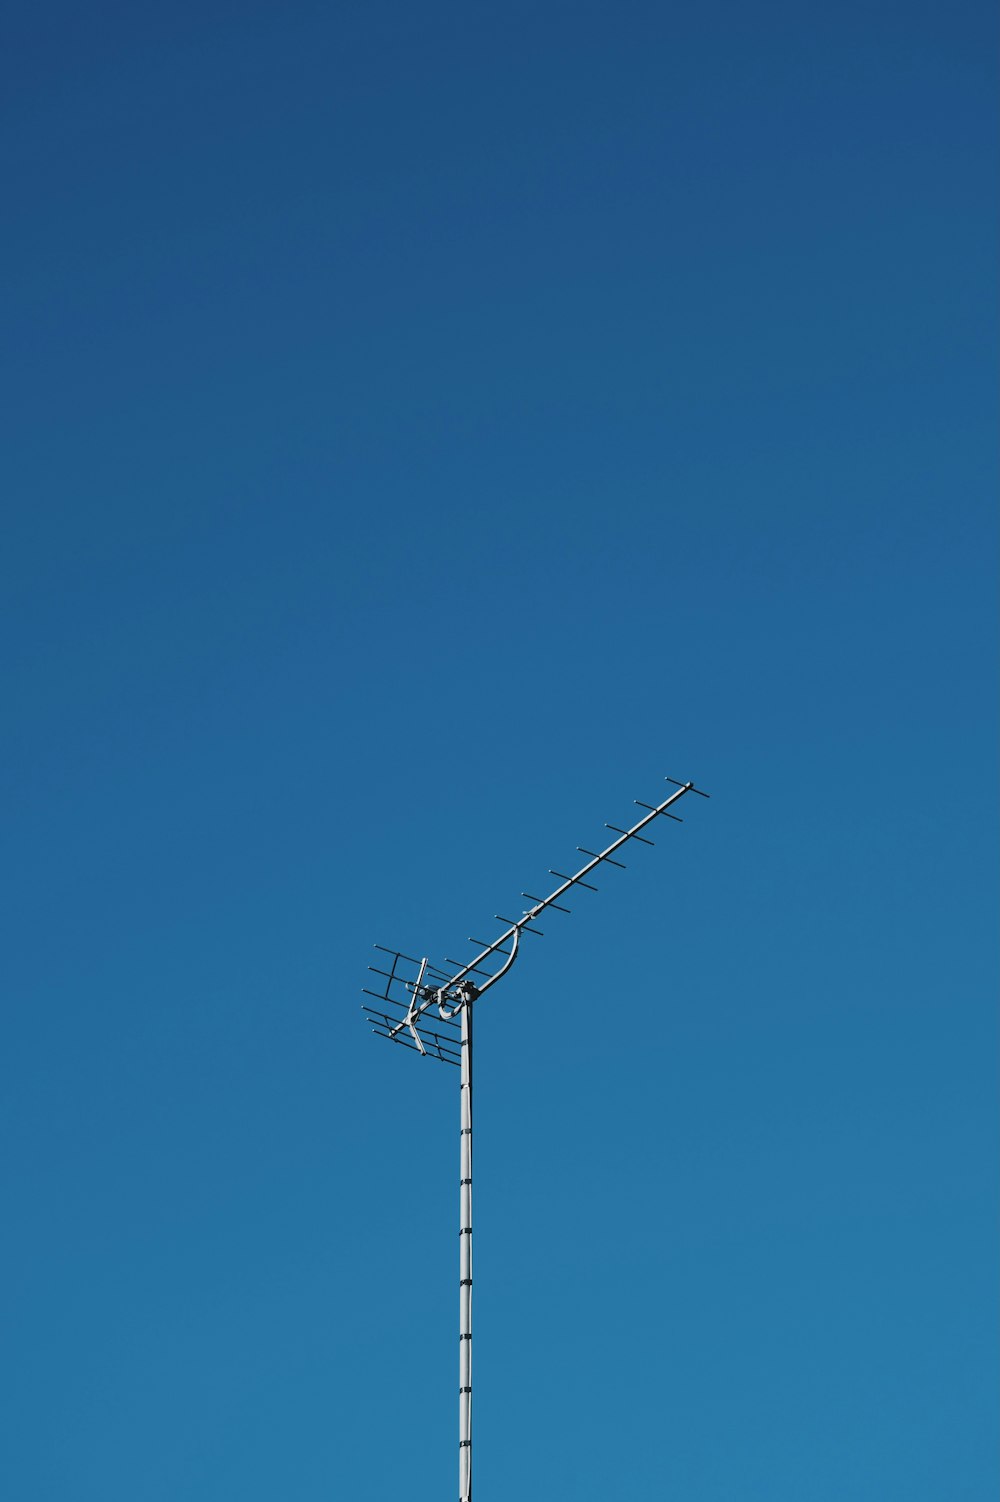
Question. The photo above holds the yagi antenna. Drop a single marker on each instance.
(428, 1009)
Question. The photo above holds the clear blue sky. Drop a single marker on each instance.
(426, 427)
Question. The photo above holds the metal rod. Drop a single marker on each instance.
(465, 1267)
(604, 856)
(576, 879)
(529, 917)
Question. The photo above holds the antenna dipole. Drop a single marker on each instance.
(415, 991)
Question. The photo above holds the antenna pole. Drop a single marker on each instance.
(465, 1269)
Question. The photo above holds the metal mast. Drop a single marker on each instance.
(465, 1269)
(416, 991)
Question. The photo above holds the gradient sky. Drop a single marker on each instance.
(426, 428)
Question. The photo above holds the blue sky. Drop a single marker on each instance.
(425, 431)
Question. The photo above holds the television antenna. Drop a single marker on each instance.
(431, 1013)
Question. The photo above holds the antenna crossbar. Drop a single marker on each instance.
(450, 993)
